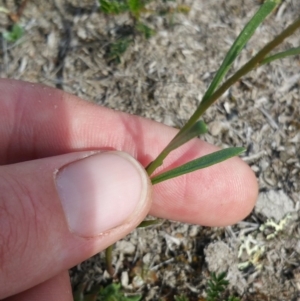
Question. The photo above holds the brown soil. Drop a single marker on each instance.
(65, 45)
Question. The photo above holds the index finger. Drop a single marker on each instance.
(37, 121)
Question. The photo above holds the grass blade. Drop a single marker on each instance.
(199, 163)
(250, 65)
(265, 9)
(248, 31)
(280, 55)
(113, 7)
(197, 129)
(145, 30)
(15, 34)
(135, 7)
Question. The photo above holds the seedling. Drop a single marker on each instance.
(181, 298)
(16, 31)
(195, 127)
(117, 49)
(135, 8)
(111, 292)
(14, 34)
(216, 286)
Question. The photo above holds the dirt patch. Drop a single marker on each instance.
(163, 78)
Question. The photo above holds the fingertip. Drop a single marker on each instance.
(219, 195)
(242, 194)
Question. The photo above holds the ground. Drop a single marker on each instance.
(65, 45)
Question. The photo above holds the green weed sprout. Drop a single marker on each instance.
(195, 127)
(216, 286)
(14, 34)
(181, 298)
(16, 31)
(111, 292)
(135, 8)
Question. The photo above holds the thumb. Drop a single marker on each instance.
(58, 211)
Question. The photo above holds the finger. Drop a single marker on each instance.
(63, 123)
(54, 289)
(220, 195)
(58, 211)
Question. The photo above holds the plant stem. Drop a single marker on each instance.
(157, 162)
(253, 63)
(280, 55)
(108, 260)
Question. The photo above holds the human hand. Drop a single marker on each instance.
(66, 197)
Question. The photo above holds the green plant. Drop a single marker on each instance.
(111, 292)
(145, 30)
(181, 298)
(190, 129)
(16, 31)
(216, 286)
(117, 48)
(195, 127)
(113, 6)
(14, 34)
(135, 8)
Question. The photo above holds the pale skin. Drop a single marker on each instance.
(37, 122)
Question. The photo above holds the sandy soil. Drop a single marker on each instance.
(65, 45)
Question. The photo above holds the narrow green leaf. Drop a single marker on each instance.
(199, 128)
(113, 6)
(145, 30)
(250, 65)
(118, 48)
(199, 163)
(265, 9)
(135, 6)
(15, 34)
(280, 55)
